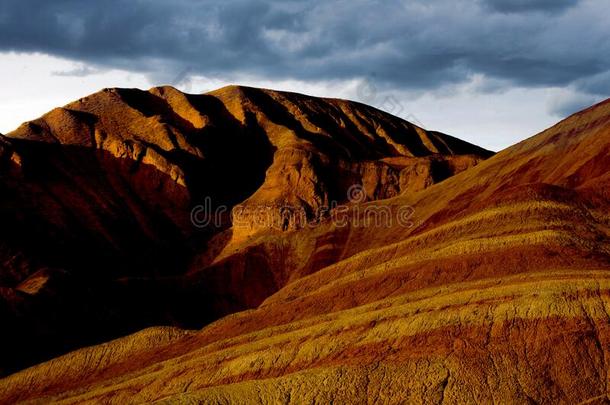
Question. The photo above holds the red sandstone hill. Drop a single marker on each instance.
(96, 200)
(496, 290)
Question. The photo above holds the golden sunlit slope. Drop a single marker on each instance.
(498, 291)
(96, 197)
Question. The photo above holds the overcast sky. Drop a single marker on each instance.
(492, 72)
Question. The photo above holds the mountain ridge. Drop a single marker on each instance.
(98, 196)
(499, 291)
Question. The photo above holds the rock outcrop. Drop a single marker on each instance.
(324, 147)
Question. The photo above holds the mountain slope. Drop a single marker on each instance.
(98, 240)
(498, 291)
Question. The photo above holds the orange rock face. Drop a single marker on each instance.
(494, 290)
(96, 200)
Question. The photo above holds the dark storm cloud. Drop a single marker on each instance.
(520, 6)
(404, 44)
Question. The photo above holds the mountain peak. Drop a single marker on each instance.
(286, 130)
(116, 176)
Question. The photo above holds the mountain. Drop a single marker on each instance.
(496, 289)
(98, 239)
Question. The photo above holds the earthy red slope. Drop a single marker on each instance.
(498, 293)
(96, 199)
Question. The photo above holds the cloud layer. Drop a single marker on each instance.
(410, 44)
